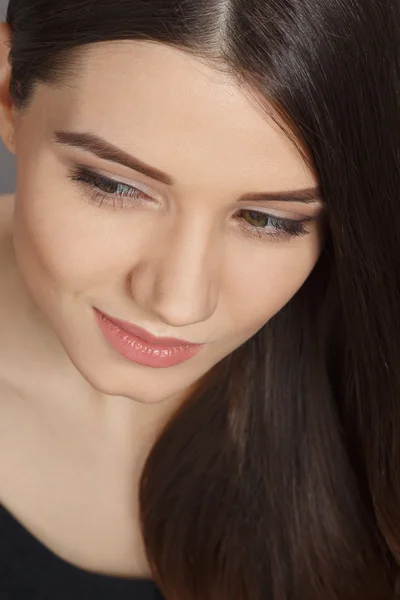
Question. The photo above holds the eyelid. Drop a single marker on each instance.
(155, 195)
(120, 180)
(282, 214)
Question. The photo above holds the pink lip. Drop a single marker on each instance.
(136, 349)
(145, 335)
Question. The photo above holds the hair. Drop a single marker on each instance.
(279, 476)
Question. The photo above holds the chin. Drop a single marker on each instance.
(144, 389)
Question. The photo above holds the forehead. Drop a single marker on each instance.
(175, 110)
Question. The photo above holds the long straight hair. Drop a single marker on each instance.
(279, 477)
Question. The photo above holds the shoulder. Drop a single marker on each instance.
(6, 199)
(6, 212)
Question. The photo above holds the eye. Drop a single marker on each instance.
(253, 223)
(279, 230)
(104, 190)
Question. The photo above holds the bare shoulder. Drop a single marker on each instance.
(6, 199)
(6, 212)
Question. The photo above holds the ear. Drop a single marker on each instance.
(7, 110)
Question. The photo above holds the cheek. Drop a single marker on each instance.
(49, 244)
(64, 243)
(263, 285)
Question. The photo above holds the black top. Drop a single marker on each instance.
(31, 571)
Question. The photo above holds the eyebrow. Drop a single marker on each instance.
(105, 150)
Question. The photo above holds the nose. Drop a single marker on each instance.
(179, 280)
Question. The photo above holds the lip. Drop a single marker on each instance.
(145, 335)
(140, 351)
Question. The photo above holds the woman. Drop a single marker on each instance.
(225, 174)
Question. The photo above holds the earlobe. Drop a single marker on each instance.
(7, 117)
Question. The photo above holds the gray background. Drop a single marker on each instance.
(7, 161)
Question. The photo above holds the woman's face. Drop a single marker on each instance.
(189, 256)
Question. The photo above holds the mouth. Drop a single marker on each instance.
(129, 341)
(137, 331)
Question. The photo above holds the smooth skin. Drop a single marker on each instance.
(77, 419)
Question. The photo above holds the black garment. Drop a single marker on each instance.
(31, 571)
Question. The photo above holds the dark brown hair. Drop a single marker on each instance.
(279, 478)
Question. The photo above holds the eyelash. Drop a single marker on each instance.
(286, 228)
